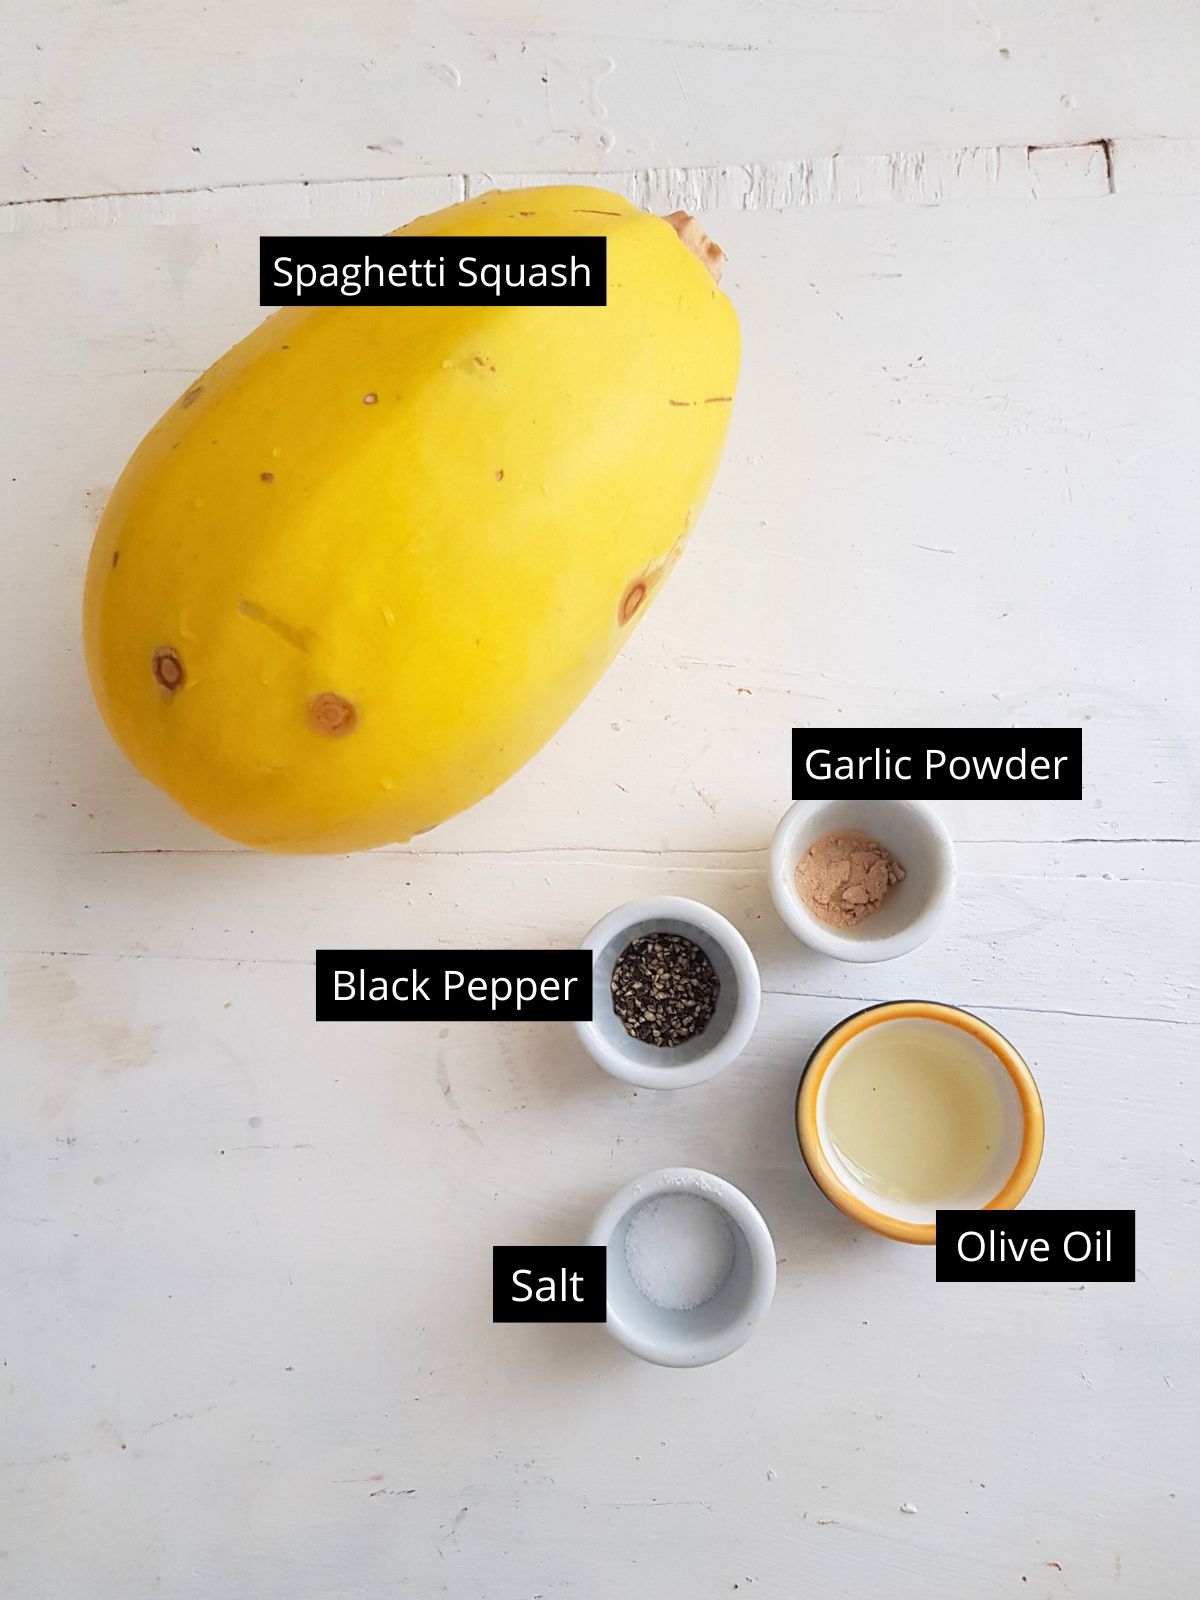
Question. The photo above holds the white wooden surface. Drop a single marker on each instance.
(245, 1338)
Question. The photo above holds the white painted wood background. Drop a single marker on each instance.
(245, 1337)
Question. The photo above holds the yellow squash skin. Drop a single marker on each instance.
(373, 558)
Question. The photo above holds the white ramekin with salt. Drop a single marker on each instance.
(691, 1266)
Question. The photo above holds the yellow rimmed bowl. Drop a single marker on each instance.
(1018, 1148)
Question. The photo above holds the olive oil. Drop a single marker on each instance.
(912, 1110)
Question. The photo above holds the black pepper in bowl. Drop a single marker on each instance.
(664, 989)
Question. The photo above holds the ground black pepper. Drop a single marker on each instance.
(664, 989)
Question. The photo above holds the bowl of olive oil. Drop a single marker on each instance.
(911, 1106)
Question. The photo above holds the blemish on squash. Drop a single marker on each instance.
(719, 400)
(267, 477)
(299, 638)
(192, 395)
(168, 669)
(371, 399)
(499, 474)
(590, 211)
(482, 361)
(632, 601)
(527, 213)
(331, 715)
(681, 402)
(647, 582)
(116, 556)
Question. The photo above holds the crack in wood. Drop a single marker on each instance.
(933, 176)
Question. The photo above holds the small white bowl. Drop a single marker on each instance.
(719, 1326)
(918, 839)
(672, 1066)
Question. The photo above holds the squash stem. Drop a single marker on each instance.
(697, 241)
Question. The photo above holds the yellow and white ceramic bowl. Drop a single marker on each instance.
(1015, 1158)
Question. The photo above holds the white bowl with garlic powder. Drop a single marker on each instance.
(691, 1266)
(917, 839)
